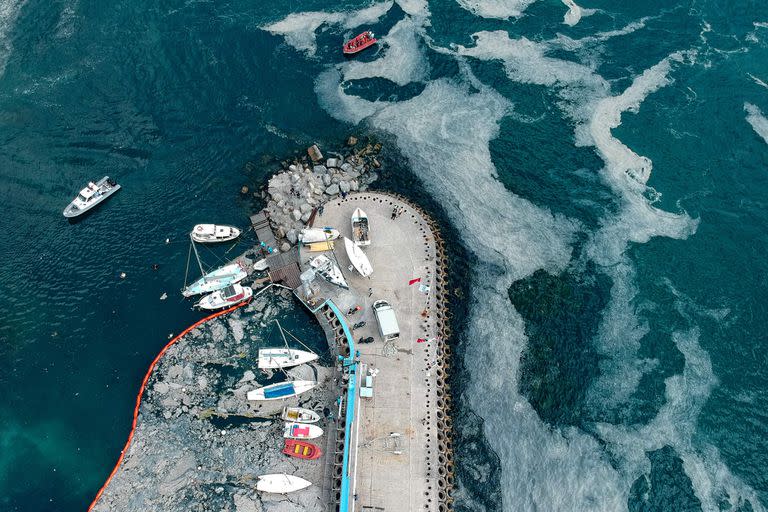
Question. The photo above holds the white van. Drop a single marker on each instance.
(385, 317)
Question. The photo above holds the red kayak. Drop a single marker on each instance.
(302, 449)
(359, 43)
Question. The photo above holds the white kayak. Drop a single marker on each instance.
(301, 431)
(328, 270)
(283, 357)
(281, 390)
(216, 280)
(229, 296)
(360, 232)
(280, 483)
(212, 233)
(313, 235)
(358, 258)
(300, 415)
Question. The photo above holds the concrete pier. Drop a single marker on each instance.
(397, 455)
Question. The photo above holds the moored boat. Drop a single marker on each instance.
(302, 431)
(281, 390)
(229, 296)
(281, 483)
(300, 415)
(212, 233)
(216, 280)
(312, 235)
(90, 196)
(284, 357)
(358, 258)
(302, 449)
(359, 43)
(360, 230)
(328, 270)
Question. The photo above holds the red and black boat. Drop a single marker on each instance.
(359, 43)
(302, 449)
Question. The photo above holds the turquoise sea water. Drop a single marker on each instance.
(608, 179)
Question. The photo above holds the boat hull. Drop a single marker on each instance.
(302, 431)
(359, 43)
(281, 483)
(216, 300)
(216, 280)
(360, 228)
(299, 415)
(302, 450)
(329, 271)
(313, 235)
(358, 258)
(281, 390)
(72, 210)
(284, 357)
(212, 233)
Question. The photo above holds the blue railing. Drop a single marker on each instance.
(351, 367)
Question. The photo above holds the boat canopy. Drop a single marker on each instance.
(285, 389)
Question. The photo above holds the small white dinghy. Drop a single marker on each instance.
(299, 415)
(90, 196)
(314, 235)
(358, 258)
(212, 233)
(283, 357)
(360, 227)
(301, 431)
(229, 296)
(280, 483)
(281, 390)
(328, 270)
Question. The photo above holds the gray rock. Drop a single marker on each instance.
(306, 208)
(305, 217)
(292, 236)
(333, 162)
(352, 140)
(344, 186)
(314, 153)
(326, 179)
(285, 247)
(354, 186)
(332, 190)
(296, 214)
(347, 167)
(320, 169)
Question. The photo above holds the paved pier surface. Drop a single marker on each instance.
(393, 443)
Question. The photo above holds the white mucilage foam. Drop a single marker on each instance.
(574, 13)
(498, 9)
(757, 120)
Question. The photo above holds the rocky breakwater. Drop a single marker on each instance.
(199, 444)
(302, 185)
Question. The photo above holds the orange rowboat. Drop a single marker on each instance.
(359, 43)
(302, 449)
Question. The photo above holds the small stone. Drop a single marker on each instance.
(332, 190)
(319, 169)
(314, 153)
(376, 163)
(293, 168)
(326, 179)
(296, 214)
(352, 140)
(333, 162)
(305, 217)
(354, 186)
(306, 208)
(346, 167)
(291, 236)
(344, 186)
(285, 247)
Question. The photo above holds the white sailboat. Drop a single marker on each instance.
(328, 270)
(281, 390)
(212, 233)
(284, 357)
(313, 235)
(281, 483)
(360, 233)
(358, 258)
(215, 280)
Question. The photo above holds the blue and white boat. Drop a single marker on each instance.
(215, 280)
(281, 390)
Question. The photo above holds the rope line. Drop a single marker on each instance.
(141, 393)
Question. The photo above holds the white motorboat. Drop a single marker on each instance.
(281, 390)
(283, 357)
(90, 196)
(300, 415)
(261, 265)
(281, 483)
(358, 258)
(229, 296)
(360, 233)
(328, 270)
(313, 235)
(212, 233)
(301, 431)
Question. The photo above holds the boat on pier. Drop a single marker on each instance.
(281, 390)
(312, 235)
(302, 449)
(328, 270)
(281, 483)
(358, 258)
(302, 431)
(90, 196)
(360, 231)
(212, 233)
(299, 415)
